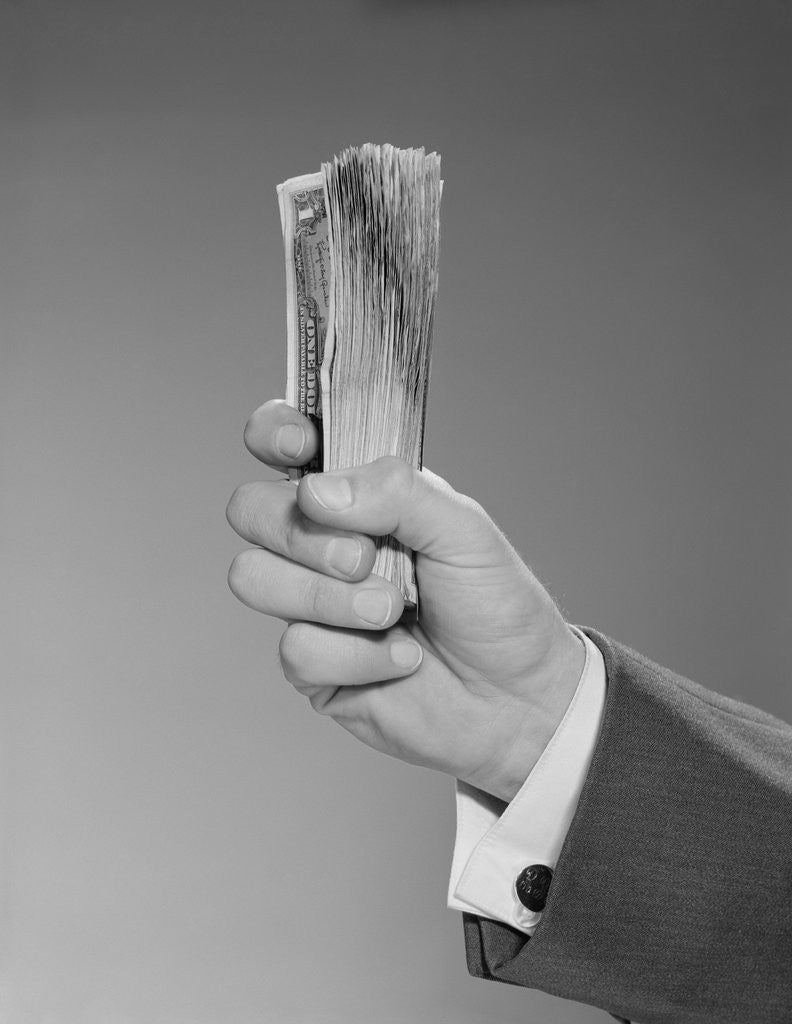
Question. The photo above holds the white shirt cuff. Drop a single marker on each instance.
(495, 840)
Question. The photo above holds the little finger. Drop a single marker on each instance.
(319, 656)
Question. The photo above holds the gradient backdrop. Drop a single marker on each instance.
(185, 841)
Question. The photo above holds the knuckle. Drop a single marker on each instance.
(240, 572)
(286, 654)
(399, 475)
(395, 467)
(289, 532)
(239, 507)
(317, 597)
(472, 506)
(252, 429)
(291, 652)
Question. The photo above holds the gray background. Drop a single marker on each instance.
(185, 842)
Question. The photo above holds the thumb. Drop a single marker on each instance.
(419, 509)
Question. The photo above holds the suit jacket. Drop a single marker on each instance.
(671, 902)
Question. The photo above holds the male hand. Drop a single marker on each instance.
(477, 686)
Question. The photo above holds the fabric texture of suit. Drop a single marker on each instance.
(671, 902)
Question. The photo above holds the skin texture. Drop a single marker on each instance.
(477, 686)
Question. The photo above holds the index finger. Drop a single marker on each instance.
(280, 436)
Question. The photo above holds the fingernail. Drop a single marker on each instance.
(344, 554)
(290, 440)
(406, 654)
(373, 606)
(331, 492)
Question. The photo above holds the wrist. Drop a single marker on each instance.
(551, 691)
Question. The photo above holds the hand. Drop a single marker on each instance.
(477, 686)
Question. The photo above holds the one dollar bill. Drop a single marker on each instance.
(304, 219)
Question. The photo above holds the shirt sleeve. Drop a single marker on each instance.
(495, 841)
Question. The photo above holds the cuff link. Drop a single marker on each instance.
(532, 886)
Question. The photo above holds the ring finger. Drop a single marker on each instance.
(277, 586)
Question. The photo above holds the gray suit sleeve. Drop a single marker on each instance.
(672, 899)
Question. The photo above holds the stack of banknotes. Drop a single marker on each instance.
(362, 241)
